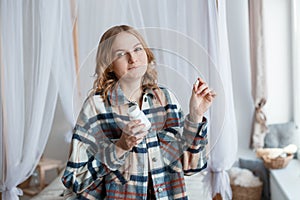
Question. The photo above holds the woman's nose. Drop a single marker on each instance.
(132, 57)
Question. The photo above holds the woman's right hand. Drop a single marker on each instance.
(132, 135)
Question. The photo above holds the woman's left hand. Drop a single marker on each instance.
(201, 99)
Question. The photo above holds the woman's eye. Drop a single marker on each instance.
(120, 54)
(138, 49)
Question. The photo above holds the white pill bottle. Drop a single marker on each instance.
(135, 113)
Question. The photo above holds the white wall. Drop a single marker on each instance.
(57, 147)
(238, 33)
(296, 59)
(277, 27)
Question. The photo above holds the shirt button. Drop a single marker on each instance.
(154, 159)
(159, 190)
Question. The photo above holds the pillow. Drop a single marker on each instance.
(280, 135)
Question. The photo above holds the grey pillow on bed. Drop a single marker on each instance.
(280, 135)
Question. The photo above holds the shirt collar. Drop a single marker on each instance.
(116, 96)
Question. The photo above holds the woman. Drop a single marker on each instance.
(114, 156)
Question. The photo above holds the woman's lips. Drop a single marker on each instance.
(130, 68)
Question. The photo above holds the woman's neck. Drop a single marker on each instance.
(132, 90)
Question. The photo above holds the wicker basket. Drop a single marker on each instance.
(246, 193)
(277, 163)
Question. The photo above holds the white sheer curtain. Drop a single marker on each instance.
(37, 65)
(64, 70)
(189, 39)
(223, 153)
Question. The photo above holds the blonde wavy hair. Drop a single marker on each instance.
(105, 76)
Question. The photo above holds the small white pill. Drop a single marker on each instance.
(197, 83)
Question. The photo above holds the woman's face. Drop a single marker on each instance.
(129, 57)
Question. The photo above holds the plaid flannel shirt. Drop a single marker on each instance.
(173, 147)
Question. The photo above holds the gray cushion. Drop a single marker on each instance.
(280, 135)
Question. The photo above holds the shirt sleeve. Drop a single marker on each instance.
(194, 157)
(92, 154)
(189, 138)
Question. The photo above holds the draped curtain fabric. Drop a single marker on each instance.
(37, 66)
(226, 137)
(258, 72)
(223, 139)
